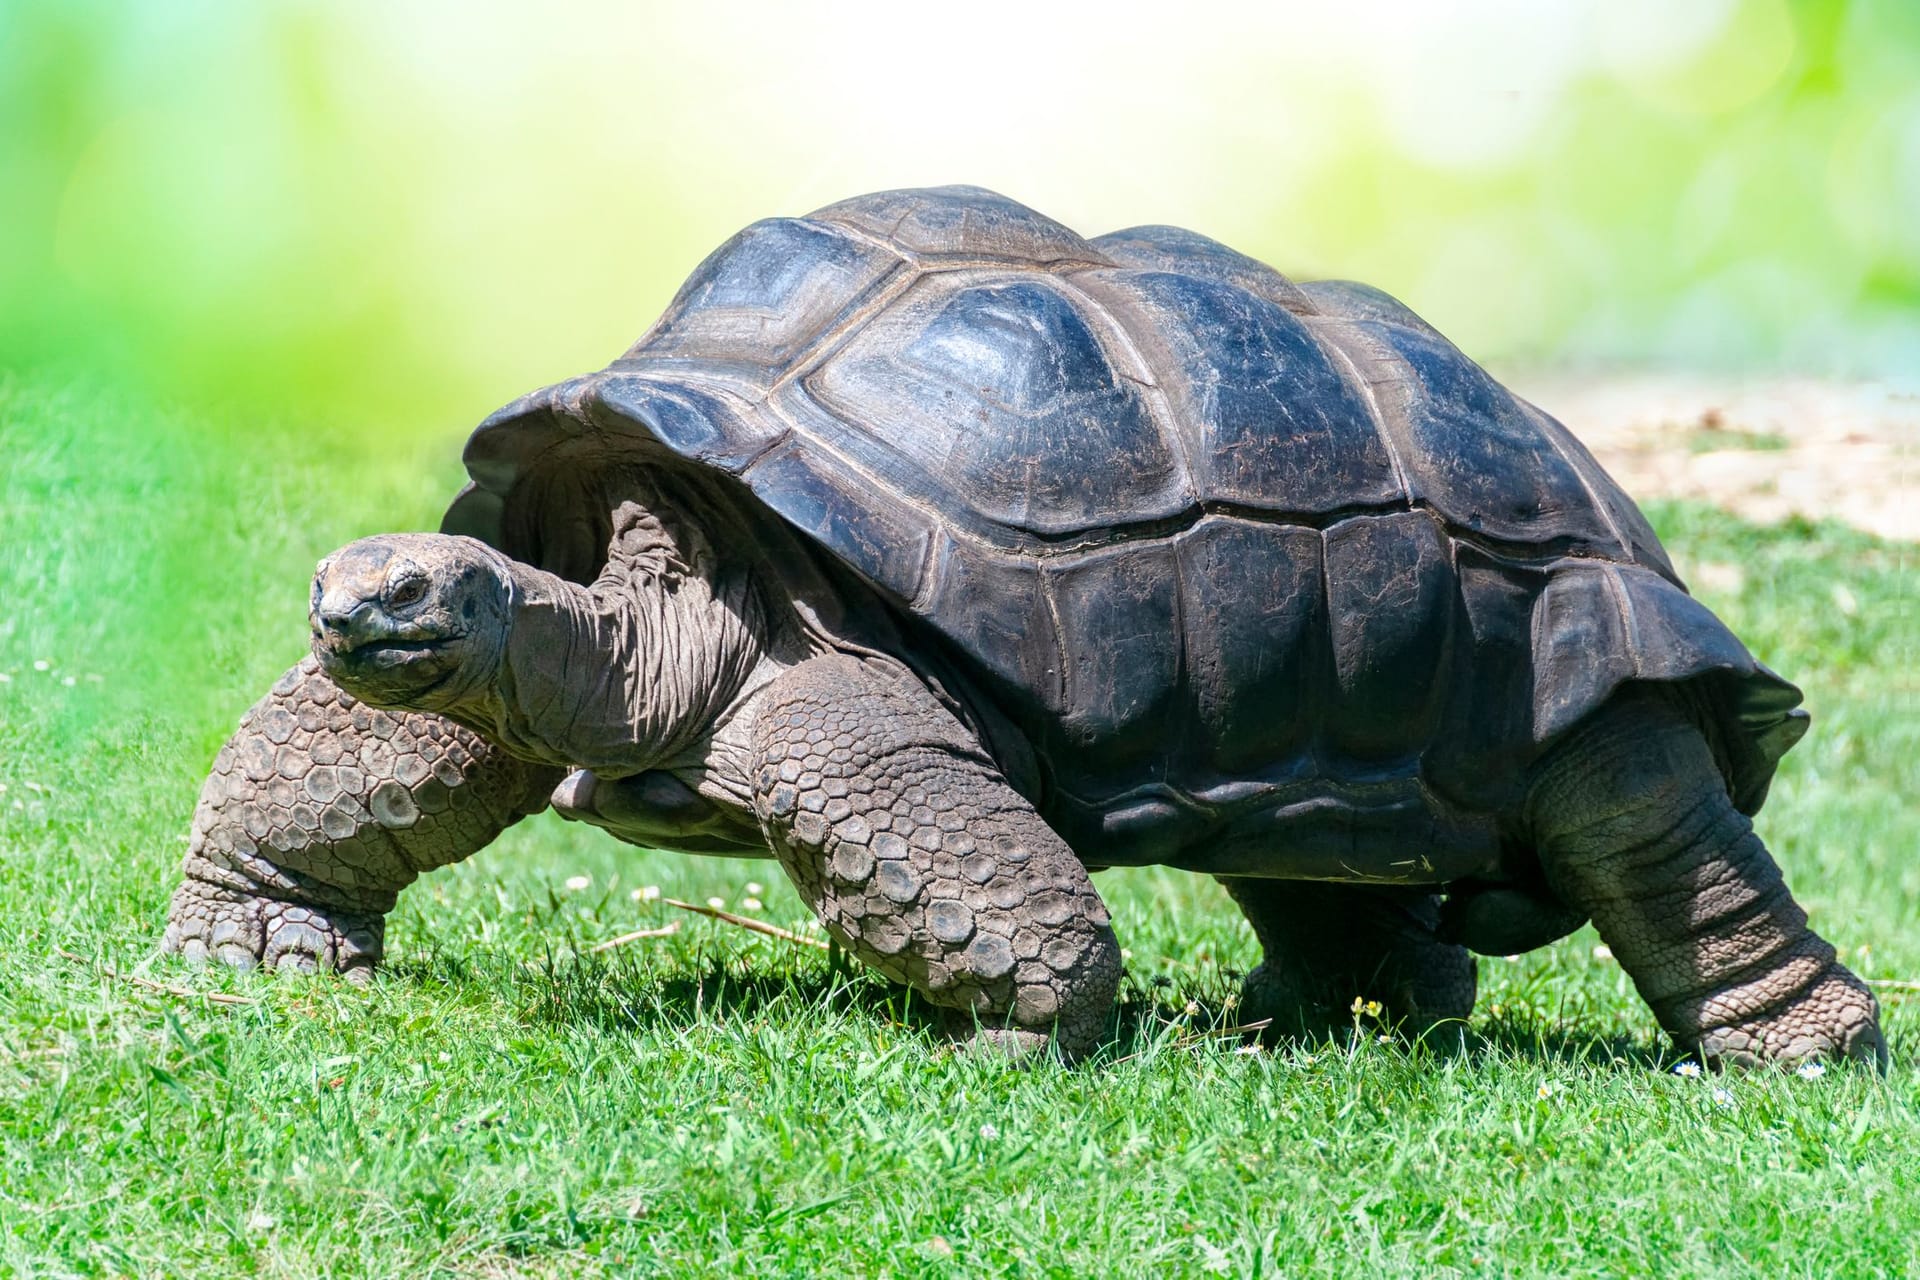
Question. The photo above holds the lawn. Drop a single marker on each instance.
(502, 1102)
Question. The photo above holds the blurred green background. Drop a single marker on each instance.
(368, 218)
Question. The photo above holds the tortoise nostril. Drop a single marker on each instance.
(341, 619)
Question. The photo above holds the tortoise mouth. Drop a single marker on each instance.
(381, 652)
(390, 670)
(385, 653)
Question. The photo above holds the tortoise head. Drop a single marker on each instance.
(411, 621)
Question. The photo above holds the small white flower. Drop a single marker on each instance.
(1193, 1009)
(1125, 954)
(1511, 959)
(1603, 952)
(41, 664)
(576, 883)
(1721, 1098)
(1810, 1070)
(646, 893)
(1214, 1259)
(1688, 1070)
(989, 1133)
(1383, 1038)
(755, 889)
(718, 904)
(1248, 1049)
(1545, 1091)
(751, 904)
(260, 1220)
(68, 681)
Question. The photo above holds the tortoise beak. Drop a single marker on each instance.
(343, 620)
(347, 613)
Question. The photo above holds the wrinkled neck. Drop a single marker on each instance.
(625, 674)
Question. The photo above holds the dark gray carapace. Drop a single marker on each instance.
(1262, 572)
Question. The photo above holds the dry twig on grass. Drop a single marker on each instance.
(148, 984)
(758, 926)
(1894, 984)
(635, 936)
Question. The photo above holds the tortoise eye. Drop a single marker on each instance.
(408, 592)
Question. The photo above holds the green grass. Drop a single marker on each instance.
(715, 1103)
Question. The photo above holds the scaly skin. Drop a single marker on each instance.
(319, 810)
(924, 863)
(1634, 826)
(1326, 945)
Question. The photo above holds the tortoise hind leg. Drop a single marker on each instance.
(1634, 824)
(1327, 945)
(319, 810)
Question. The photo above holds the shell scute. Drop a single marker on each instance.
(999, 389)
(760, 299)
(960, 221)
(1351, 300)
(993, 605)
(1255, 624)
(701, 422)
(887, 541)
(1275, 422)
(1179, 251)
(1468, 448)
(1123, 685)
(1390, 590)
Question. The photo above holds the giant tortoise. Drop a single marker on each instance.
(951, 557)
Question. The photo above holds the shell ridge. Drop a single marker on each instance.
(1183, 729)
(1153, 386)
(1540, 419)
(1318, 328)
(1629, 616)
(829, 341)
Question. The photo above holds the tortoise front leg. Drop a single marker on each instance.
(925, 864)
(319, 810)
(1633, 824)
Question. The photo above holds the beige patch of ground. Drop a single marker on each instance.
(1764, 449)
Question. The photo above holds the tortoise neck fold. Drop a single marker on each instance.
(627, 673)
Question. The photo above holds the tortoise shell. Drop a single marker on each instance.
(1253, 565)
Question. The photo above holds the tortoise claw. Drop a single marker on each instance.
(214, 922)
